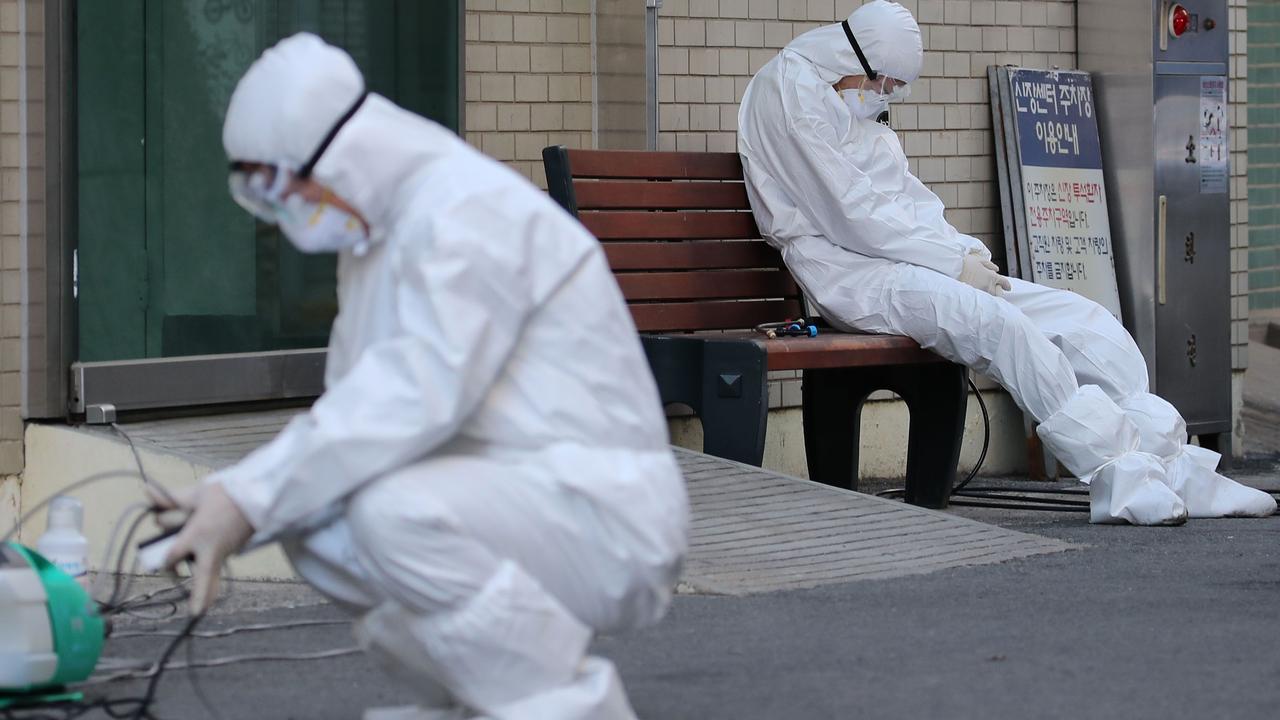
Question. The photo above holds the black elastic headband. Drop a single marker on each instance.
(310, 165)
(866, 67)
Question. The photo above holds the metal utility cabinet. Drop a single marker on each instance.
(1160, 77)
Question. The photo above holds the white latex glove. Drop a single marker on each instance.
(213, 529)
(984, 275)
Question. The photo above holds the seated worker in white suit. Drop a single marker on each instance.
(486, 481)
(868, 243)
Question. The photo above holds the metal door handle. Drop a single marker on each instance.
(1161, 250)
(1162, 24)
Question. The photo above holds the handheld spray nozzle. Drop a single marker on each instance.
(789, 328)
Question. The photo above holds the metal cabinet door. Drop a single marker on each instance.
(1193, 320)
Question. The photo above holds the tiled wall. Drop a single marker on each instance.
(529, 84)
(1263, 59)
(709, 49)
(528, 79)
(11, 150)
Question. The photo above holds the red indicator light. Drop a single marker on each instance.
(1179, 20)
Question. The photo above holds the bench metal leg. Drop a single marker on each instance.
(936, 397)
(725, 382)
(832, 402)
(735, 401)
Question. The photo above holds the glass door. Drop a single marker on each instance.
(166, 264)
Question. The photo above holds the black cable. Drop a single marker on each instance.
(196, 686)
(1002, 498)
(96, 477)
(1013, 494)
(1031, 491)
(982, 456)
(119, 586)
(963, 502)
(143, 710)
(986, 436)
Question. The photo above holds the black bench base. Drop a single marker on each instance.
(725, 382)
(936, 396)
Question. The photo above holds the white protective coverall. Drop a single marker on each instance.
(486, 479)
(870, 246)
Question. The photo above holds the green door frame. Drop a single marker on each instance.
(55, 384)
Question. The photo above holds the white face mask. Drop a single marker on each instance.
(865, 104)
(321, 227)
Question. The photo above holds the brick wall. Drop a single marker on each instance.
(11, 151)
(528, 79)
(709, 49)
(1237, 96)
(1263, 154)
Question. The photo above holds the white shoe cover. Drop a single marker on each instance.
(1087, 432)
(1131, 489)
(511, 652)
(1207, 494)
(382, 636)
(1161, 430)
(1190, 470)
(1097, 442)
(596, 693)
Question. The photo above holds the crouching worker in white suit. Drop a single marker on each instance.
(830, 188)
(486, 480)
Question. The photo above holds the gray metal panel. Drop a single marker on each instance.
(621, 74)
(1198, 284)
(1014, 168)
(1119, 42)
(651, 73)
(1203, 45)
(198, 380)
(1115, 45)
(1191, 68)
(1012, 265)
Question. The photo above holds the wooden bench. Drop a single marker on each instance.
(678, 232)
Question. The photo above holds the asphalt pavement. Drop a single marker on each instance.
(1136, 623)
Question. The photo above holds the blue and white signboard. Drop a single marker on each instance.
(1068, 230)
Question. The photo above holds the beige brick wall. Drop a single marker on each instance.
(709, 49)
(1238, 95)
(528, 79)
(11, 144)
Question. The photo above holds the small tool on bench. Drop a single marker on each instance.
(788, 328)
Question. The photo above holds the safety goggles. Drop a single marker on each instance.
(896, 90)
(262, 188)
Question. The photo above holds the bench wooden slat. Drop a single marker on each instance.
(727, 315)
(691, 255)
(627, 225)
(840, 350)
(641, 164)
(750, 284)
(642, 195)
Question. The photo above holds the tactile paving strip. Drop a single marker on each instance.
(758, 531)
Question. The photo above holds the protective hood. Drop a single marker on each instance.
(291, 98)
(887, 34)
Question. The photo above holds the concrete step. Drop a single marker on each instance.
(753, 530)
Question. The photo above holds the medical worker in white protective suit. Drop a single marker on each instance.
(486, 480)
(868, 242)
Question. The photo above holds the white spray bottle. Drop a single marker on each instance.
(63, 542)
